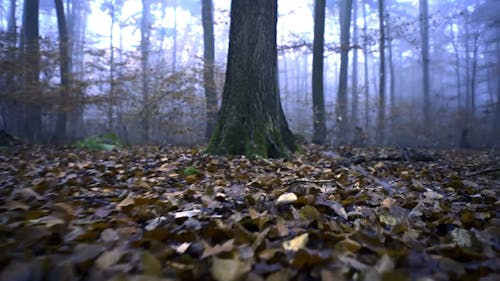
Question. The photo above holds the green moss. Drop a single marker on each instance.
(189, 171)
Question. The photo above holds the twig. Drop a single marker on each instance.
(484, 171)
(315, 181)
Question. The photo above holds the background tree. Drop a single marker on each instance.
(64, 71)
(251, 120)
(424, 33)
(355, 89)
(208, 66)
(381, 93)
(145, 44)
(345, 25)
(33, 111)
(319, 136)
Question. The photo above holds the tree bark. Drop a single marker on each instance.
(145, 42)
(345, 25)
(251, 120)
(355, 89)
(319, 135)
(392, 83)
(424, 32)
(33, 112)
(367, 80)
(64, 70)
(381, 89)
(208, 66)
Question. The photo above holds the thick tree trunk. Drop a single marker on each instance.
(424, 31)
(319, 136)
(208, 66)
(381, 89)
(64, 71)
(33, 113)
(251, 120)
(345, 25)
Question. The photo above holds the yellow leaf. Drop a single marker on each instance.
(296, 243)
(109, 258)
(150, 264)
(388, 220)
(309, 213)
(228, 269)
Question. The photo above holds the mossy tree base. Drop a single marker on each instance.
(251, 120)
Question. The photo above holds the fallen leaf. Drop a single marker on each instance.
(296, 243)
(228, 269)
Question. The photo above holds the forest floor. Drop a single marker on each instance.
(145, 213)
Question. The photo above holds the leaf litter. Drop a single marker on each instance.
(177, 214)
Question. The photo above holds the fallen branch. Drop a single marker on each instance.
(484, 171)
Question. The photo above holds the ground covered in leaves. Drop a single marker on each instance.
(146, 213)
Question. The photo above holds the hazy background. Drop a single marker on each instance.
(107, 56)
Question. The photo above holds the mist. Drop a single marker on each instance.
(136, 71)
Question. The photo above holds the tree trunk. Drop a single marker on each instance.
(496, 126)
(319, 136)
(111, 68)
(355, 89)
(367, 80)
(345, 23)
(33, 113)
(145, 42)
(11, 25)
(392, 85)
(64, 71)
(174, 47)
(251, 120)
(454, 42)
(208, 66)
(424, 31)
(381, 89)
(475, 47)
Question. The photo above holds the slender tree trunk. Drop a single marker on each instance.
(355, 88)
(381, 93)
(457, 67)
(319, 136)
(345, 23)
(392, 85)
(174, 48)
(145, 43)
(11, 25)
(251, 120)
(496, 126)
(424, 33)
(367, 80)
(208, 66)
(64, 69)
(111, 95)
(33, 112)
(475, 47)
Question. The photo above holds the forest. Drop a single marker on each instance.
(249, 140)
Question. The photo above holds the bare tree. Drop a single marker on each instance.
(319, 136)
(64, 70)
(345, 25)
(424, 34)
(381, 93)
(208, 66)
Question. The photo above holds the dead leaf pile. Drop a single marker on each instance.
(178, 214)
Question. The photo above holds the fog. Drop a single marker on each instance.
(138, 73)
